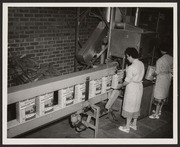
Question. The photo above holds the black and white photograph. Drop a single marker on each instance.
(89, 73)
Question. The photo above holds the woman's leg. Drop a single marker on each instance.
(160, 109)
(134, 123)
(126, 128)
(128, 121)
(156, 114)
(157, 108)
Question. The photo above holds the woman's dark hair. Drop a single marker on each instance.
(131, 51)
(164, 47)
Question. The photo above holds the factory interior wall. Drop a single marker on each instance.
(158, 20)
(46, 35)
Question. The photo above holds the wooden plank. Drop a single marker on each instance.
(30, 90)
(15, 128)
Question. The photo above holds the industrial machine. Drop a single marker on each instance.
(120, 36)
(124, 35)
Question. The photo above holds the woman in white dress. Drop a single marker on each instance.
(133, 91)
(163, 73)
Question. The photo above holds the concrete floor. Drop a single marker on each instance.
(108, 128)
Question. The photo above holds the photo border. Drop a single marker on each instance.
(106, 141)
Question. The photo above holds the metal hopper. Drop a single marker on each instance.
(93, 44)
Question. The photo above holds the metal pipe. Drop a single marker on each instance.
(107, 16)
(110, 27)
(102, 56)
(157, 25)
(76, 37)
(136, 18)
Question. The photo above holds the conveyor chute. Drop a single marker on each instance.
(93, 44)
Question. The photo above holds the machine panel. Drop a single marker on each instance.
(122, 39)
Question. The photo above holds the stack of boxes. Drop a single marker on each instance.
(98, 84)
(26, 110)
(95, 88)
(45, 103)
(117, 78)
(66, 97)
(106, 83)
(92, 89)
(80, 91)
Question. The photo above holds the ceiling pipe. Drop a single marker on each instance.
(136, 17)
(108, 14)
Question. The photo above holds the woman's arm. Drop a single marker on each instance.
(121, 85)
(125, 83)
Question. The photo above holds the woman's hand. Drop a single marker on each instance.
(118, 87)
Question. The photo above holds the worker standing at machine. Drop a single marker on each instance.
(133, 91)
(163, 73)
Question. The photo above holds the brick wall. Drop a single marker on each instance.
(46, 35)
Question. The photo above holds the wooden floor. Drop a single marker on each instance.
(108, 128)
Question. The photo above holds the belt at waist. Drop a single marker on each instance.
(161, 73)
(136, 82)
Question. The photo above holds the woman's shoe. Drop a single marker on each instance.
(124, 129)
(155, 112)
(133, 127)
(154, 116)
(159, 113)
